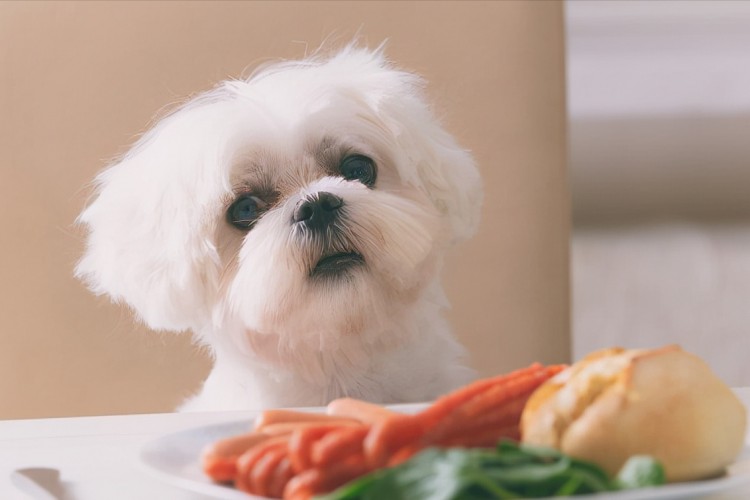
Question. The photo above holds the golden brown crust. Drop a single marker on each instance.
(663, 402)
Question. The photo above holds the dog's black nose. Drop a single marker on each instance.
(318, 210)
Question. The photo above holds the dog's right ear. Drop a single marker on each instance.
(152, 222)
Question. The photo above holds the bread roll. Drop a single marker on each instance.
(617, 403)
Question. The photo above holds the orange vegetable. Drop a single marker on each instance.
(273, 417)
(299, 456)
(362, 411)
(220, 458)
(388, 436)
(248, 460)
(301, 443)
(339, 444)
(324, 479)
(281, 428)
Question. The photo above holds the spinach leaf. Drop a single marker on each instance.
(640, 471)
(511, 471)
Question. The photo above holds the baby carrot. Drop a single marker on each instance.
(272, 417)
(220, 458)
(368, 413)
(338, 444)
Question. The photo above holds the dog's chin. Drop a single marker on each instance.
(337, 265)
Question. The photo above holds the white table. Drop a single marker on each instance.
(98, 456)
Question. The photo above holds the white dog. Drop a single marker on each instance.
(296, 222)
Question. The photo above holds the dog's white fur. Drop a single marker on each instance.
(159, 239)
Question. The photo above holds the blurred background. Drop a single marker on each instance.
(80, 80)
(659, 127)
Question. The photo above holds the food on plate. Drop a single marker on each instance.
(509, 471)
(317, 457)
(220, 458)
(616, 419)
(662, 402)
(367, 413)
(270, 418)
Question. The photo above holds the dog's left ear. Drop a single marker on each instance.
(151, 224)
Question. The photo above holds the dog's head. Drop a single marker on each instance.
(315, 198)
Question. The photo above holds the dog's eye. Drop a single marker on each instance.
(359, 168)
(245, 210)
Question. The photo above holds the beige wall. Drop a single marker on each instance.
(78, 81)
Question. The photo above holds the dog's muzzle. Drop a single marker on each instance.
(315, 215)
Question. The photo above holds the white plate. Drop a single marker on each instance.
(175, 458)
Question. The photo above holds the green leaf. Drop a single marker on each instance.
(640, 471)
(360, 488)
(530, 473)
(509, 471)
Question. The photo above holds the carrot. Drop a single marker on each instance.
(368, 413)
(220, 458)
(220, 469)
(281, 428)
(500, 394)
(506, 414)
(272, 417)
(403, 454)
(389, 436)
(247, 461)
(301, 443)
(445, 405)
(506, 396)
(262, 472)
(299, 455)
(303, 485)
(282, 474)
(337, 445)
(321, 480)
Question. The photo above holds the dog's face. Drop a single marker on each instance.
(313, 201)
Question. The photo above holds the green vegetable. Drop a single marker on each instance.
(510, 471)
(640, 471)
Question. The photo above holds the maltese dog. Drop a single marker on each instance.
(296, 222)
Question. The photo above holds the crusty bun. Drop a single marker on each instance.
(616, 403)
